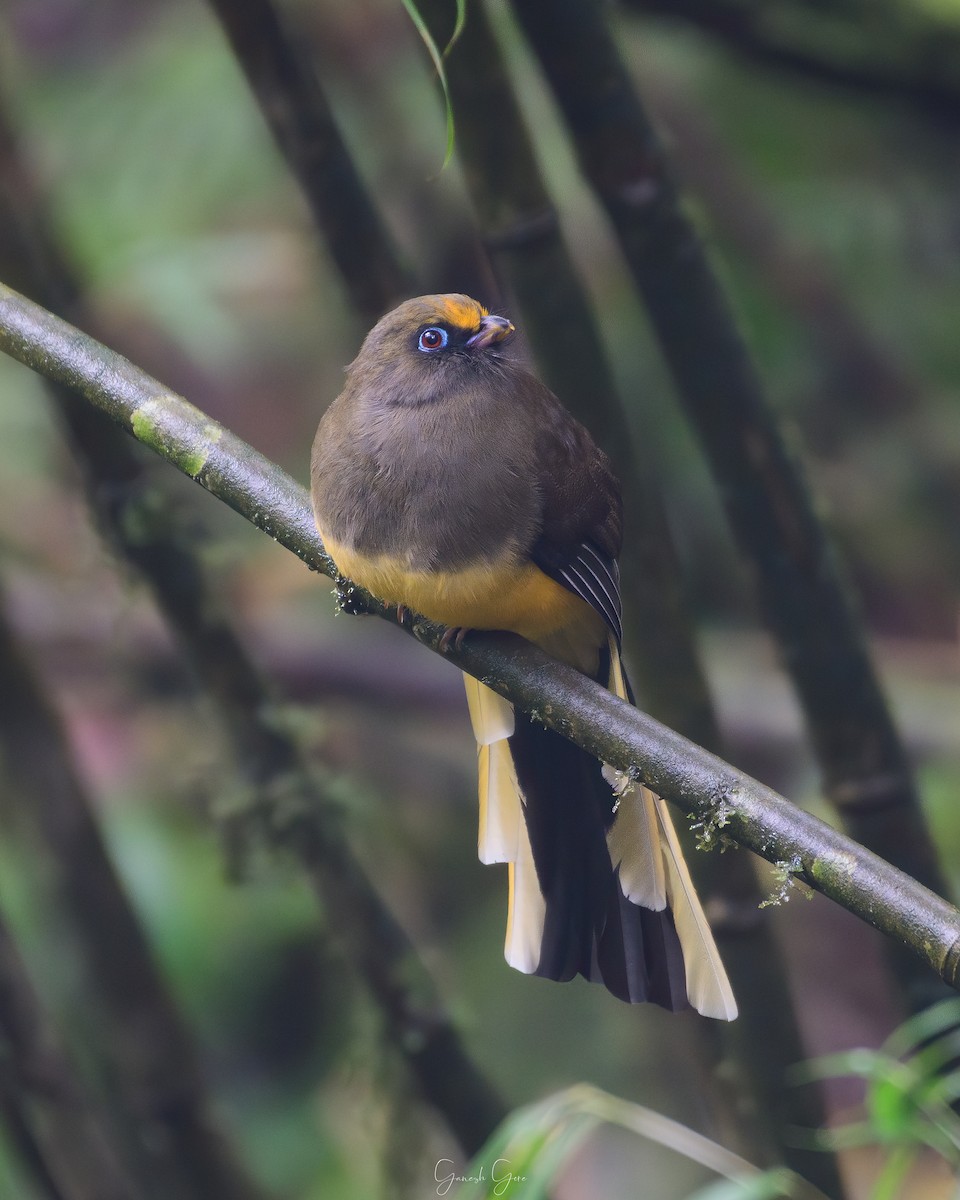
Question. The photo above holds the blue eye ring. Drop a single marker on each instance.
(432, 339)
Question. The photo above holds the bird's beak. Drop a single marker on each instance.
(492, 330)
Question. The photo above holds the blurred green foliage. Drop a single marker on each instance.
(912, 1085)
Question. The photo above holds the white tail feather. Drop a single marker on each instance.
(526, 912)
(634, 844)
(491, 716)
(634, 837)
(503, 833)
(616, 683)
(708, 988)
(641, 841)
(643, 829)
(501, 816)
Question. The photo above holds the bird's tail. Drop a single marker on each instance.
(598, 884)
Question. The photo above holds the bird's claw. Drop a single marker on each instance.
(453, 637)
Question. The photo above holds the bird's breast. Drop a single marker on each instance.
(503, 593)
(424, 488)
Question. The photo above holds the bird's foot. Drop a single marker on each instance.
(453, 637)
(403, 614)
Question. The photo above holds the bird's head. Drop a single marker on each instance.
(425, 346)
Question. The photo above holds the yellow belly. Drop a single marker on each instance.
(511, 595)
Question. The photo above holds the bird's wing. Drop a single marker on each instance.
(581, 514)
(589, 574)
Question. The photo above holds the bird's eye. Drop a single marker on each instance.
(432, 339)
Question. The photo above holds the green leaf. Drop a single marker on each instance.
(887, 1186)
(437, 56)
(458, 27)
(533, 1144)
(946, 1088)
(865, 1063)
(924, 1027)
(841, 1137)
(892, 1102)
(771, 1185)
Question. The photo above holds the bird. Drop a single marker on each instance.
(447, 479)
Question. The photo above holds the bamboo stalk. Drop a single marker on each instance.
(151, 1055)
(522, 231)
(803, 594)
(906, 54)
(296, 110)
(62, 1142)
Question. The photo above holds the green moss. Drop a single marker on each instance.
(150, 425)
(787, 883)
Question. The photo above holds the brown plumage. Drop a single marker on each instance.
(448, 479)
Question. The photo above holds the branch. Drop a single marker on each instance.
(722, 797)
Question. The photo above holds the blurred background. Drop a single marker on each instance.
(832, 217)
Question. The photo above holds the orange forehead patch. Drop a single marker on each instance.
(461, 312)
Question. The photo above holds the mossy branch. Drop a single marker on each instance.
(698, 782)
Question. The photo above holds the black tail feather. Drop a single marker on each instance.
(590, 927)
